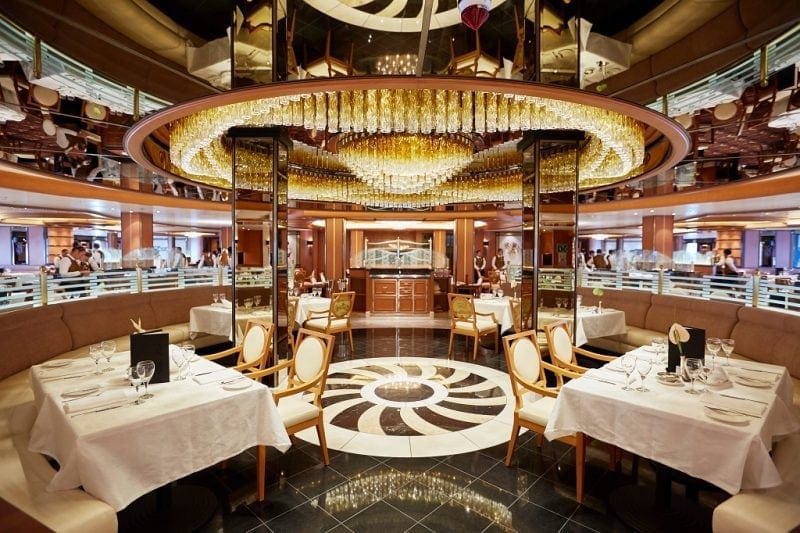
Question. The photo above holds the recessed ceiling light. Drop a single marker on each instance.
(635, 214)
(652, 210)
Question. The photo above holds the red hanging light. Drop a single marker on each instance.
(474, 12)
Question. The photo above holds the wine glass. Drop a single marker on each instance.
(215, 297)
(643, 367)
(188, 351)
(133, 377)
(109, 348)
(96, 353)
(499, 293)
(705, 373)
(179, 358)
(662, 350)
(257, 300)
(693, 368)
(248, 303)
(145, 370)
(628, 362)
(713, 345)
(727, 347)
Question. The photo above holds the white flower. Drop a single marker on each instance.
(677, 335)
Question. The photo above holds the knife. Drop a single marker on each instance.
(740, 398)
(101, 409)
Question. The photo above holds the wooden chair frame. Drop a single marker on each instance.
(295, 385)
(572, 365)
(337, 311)
(462, 310)
(262, 361)
(521, 386)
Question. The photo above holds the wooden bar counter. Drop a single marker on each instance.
(393, 290)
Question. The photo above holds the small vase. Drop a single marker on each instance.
(599, 306)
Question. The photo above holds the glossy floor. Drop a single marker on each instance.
(462, 492)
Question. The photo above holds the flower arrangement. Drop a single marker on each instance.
(598, 291)
(678, 335)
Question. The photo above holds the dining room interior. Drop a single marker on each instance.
(520, 265)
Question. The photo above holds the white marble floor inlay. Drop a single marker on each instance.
(414, 407)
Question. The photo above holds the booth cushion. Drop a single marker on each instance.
(769, 336)
(32, 336)
(717, 318)
(95, 320)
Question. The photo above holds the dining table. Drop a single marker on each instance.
(498, 306)
(307, 303)
(592, 322)
(215, 319)
(118, 450)
(723, 435)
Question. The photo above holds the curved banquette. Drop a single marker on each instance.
(66, 330)
(761, 335)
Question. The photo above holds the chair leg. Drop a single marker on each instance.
(512, 442)
(450, 347)
(496, 341)
(580, 463)
(323, 444)
(350, 334)
(261, 474)
(476, 342)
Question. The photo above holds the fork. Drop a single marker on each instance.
(729, 411)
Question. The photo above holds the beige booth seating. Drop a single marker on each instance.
(66, 330)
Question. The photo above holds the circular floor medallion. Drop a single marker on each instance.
(414, 407)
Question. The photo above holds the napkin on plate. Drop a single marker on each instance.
(748, 407)
(109, 398)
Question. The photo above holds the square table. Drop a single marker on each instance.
(591, 324)
(669, 426)
(215, 319)
(306, 304)
(121, 454)
(499, 307)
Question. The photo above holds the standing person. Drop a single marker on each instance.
(98, 258)
(479, 264)
(205, 260)
(726, 266)
(600, 260)
(73, 266)
(499, 263)
(178, 260)
(590, 261)
(611, 260)
(224, 258)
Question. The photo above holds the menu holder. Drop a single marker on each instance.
(694, 347)
(152, 345)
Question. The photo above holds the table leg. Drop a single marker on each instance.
(168, 509)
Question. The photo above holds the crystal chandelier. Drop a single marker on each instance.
(397, 64)
(404, 163)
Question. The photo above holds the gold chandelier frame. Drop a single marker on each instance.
(613, 152)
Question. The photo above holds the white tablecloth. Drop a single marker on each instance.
(668, 426)
(591, 325)
(499, 307)
(216, 319)
(310, 303)
(118, 455)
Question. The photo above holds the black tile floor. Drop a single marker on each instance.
(464, 493)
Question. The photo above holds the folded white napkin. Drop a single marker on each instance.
(748, 407)
(71, 372)
(109, 398)
(752, 375)
(216, 376)
(599, 374)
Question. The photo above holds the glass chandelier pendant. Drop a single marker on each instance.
(474, 12)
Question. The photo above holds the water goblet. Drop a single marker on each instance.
(133, 377)
(109, 348)
(145, 370)
(257, 300)
(662, 351)
(179, 358)
(713, 345)
(248, 303)
(643, 367)
(499, 293)
(215, 297)
(96, 353)
(188, 351)
(727, 346)
(628, 362)
(693, 367)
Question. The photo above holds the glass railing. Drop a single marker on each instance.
(34, 290)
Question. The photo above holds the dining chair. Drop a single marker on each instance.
(563, 353)
(464, 320)
(254, 351)
(307, 372)
(291, 317)
(527, 372)
(336, 319)
(521, 317)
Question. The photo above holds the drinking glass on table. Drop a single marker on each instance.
(179, 358)
(145, 370)
(693, 368)
(713, 345)
(628, 363)
(659, 345)
(727, 346)
(109, 348)
(643, 367)
(257, 300)
(96, 353)
(133, 377)
(248, 303)
(215, 297)
(499, 293)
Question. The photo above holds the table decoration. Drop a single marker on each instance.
(598, 291)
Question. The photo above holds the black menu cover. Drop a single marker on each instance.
(694, 347)
(153, 345)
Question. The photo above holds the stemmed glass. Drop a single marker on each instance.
(215, 297)
(660, 346)
(643, 367)
(628, 362)
(693, 367)
(727, 347)
(713, 346)
(96, 353)
(248, 303)
(499, 293)
(257, 300)
(145, 371)
(179, 358)
(132, 373)
(109, 348)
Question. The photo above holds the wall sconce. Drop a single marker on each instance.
(486, 242)
(310, 242)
